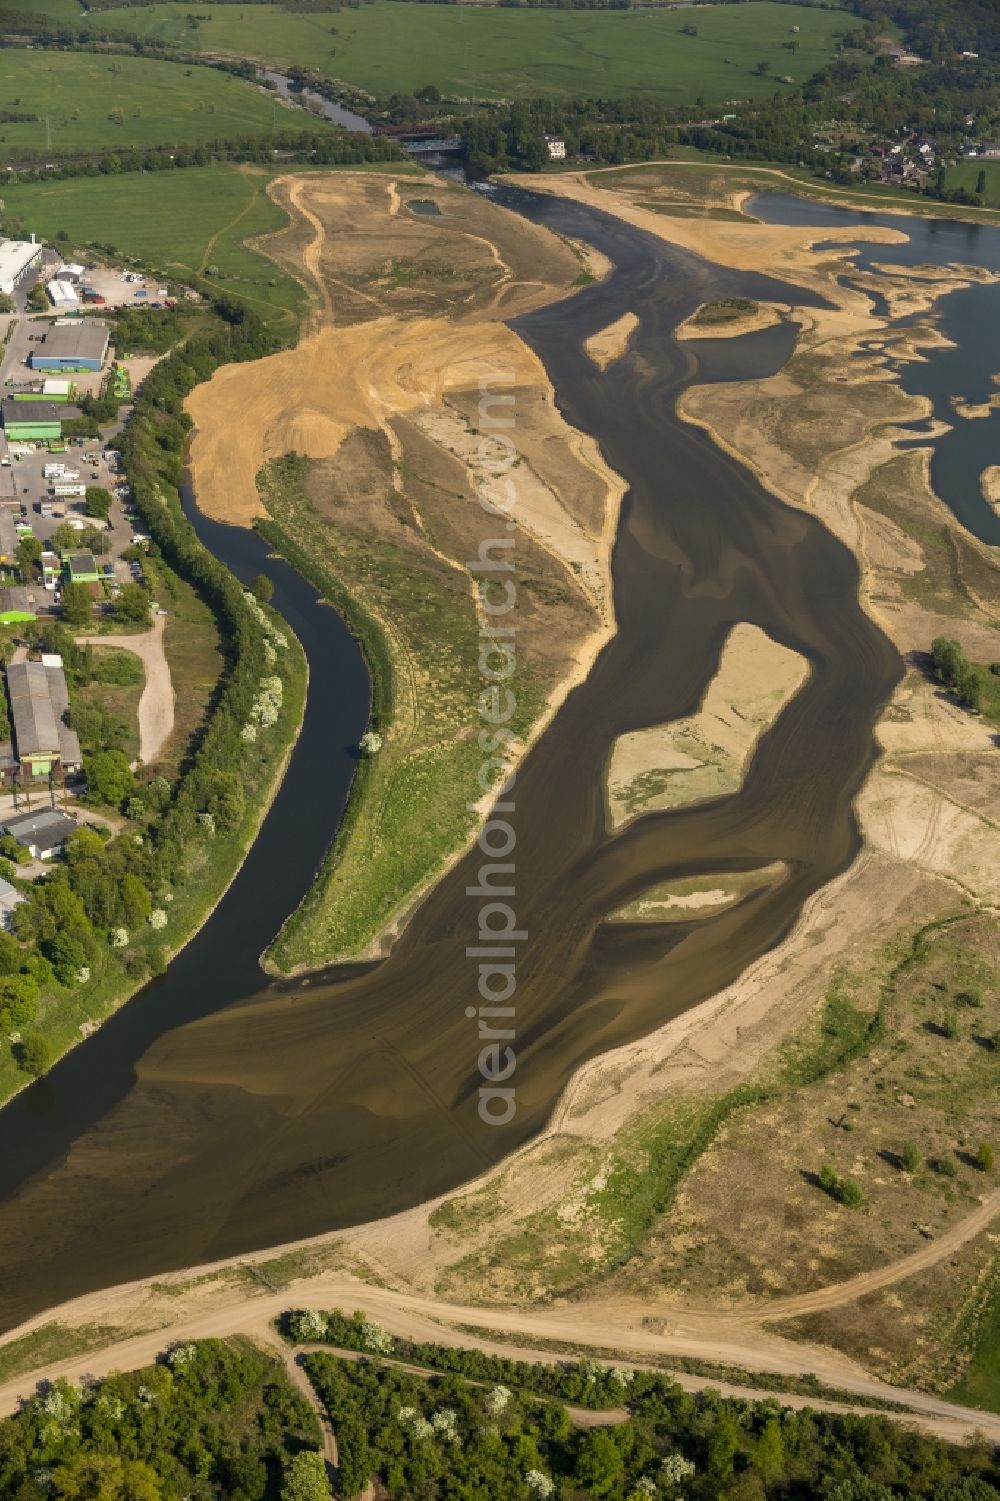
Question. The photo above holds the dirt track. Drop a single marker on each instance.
(603, 1327)
(156, 706)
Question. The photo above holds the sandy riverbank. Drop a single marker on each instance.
(925, 841)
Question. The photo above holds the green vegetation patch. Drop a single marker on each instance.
(210, 1420)
(479, 1429)
(389, 47)
(193, 222)
(414, 617)
(729, 310)
(50, 1343)
(85, 101)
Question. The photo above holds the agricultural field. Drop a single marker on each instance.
(488, 51)
(194, 221)
(86, 102)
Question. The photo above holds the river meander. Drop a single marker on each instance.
(217, 1113)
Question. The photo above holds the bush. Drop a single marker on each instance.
(97, 502)
(109, 777)
(910, 1158)
(32, 1054)
(984, 1157)
(842, 1190)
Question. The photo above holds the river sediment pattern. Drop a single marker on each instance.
(218, 1113)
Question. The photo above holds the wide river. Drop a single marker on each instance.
(218, 1113)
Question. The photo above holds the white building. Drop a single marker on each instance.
(17, 257)
(557, 148)
(62, 294)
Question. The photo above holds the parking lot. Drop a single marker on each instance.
(94, 466)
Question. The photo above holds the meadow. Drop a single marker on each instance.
(85, 101)
(491, 51)
(193, 221)
(966, 175)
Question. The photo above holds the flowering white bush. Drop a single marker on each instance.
(675, 1469)
(207, 822)
(157, 918)
(83, 975)
(498, 1400)
(61, 1402)
(181, 1355)
(590, 1370)
(376, 1338)
(370, 743)
(644, 1489)
(410, 1418)
(266, 706)
(624, 1376)
(119, 938)
(270, 655)
(112, 1406)
(445, 1425)
(135, 807)
(264, 621)
(540, 1484)
(249, 733)
(306, 1325)
(146, 1395)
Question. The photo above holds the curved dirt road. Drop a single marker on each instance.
(714, 1338)
(156, 706)
(839, 1293)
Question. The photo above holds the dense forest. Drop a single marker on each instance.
(467, 1435)
(216, 1420)
(211, 1420)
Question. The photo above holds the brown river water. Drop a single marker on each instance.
(219, 1113)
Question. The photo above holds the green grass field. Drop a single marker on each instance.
(87, 102)
(966, 175)
(491, 51)
(187, 220)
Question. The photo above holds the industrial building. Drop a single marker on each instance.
(81, 568)
(39, 700)
(62, 294)
(35, 421)
(72, 344)
(16, 604)
(17, 259)
(43, 834)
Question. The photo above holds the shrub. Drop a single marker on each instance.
(32, 1054)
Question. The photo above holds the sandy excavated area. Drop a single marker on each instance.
(406, 311)
(609, 344)
(706, 754)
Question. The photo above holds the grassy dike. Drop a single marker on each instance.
(408, 811)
